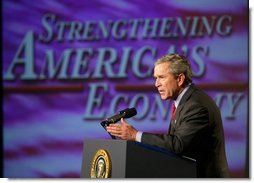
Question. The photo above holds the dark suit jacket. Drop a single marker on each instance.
(196, 132)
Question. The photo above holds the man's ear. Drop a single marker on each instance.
(181, 79)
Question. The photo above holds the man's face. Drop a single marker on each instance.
(165, 82)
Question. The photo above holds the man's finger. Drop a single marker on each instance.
(123, 121)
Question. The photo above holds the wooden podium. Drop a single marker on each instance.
(128, 159)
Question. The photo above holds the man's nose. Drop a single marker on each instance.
(157, 83)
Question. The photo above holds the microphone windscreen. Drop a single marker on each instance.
(130, 112)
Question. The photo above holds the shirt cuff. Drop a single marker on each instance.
(139, 136)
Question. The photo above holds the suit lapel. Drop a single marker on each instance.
(185, 97)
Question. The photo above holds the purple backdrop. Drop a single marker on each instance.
(67, 65)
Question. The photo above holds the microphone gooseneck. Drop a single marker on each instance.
(126, 113)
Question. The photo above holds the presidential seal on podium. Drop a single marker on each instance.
(101, 165)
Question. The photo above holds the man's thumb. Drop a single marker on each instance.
(123, 121)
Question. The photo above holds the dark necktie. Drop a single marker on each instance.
(173, 112)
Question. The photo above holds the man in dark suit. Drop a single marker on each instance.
(196, 128)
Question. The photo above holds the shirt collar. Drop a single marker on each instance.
(177, 101)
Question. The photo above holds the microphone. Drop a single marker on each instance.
(126, 113)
